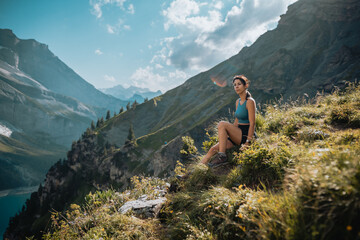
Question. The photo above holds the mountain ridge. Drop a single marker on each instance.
(131, 93)
(40, 63)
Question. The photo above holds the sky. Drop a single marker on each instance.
(149, 44)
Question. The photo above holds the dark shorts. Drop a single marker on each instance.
(245, 131)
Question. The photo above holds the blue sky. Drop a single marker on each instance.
(151, 44)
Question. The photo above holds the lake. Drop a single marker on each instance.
(11, 202)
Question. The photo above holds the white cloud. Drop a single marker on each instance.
(131, 9)
(207, 39)
(97, 10)
(110, 29)
(100, 12)
(182, 13)
(98, 52)
(181, 75)
(148, 77)
(158, 66)
(109, 78)
(98, 4)
(179, 11)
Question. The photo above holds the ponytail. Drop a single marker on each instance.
(248, 94)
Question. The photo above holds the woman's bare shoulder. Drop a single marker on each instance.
(250, 99)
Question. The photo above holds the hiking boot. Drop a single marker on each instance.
(219, 160)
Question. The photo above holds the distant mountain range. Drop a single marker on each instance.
(44, 105)
(131, 93)
(315, 46)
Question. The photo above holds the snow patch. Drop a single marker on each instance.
(5, 131)
(10, 71)
(16, 61)
(6, 73)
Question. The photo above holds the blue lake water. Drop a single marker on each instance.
(11, 202)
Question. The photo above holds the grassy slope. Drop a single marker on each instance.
(299, 180)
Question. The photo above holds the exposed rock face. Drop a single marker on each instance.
(144, 208)
(40, 63)
(42, 123)
(39, 102)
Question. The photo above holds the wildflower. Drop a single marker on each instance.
(242, 228)
(209, 206)
(171, 211)
(240, 215)
(349, 228)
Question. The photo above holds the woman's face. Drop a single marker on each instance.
(238, 86)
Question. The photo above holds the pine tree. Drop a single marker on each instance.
(101, 121)
(131, 136)
(98, 123)
(133, 106)
(92, 125)
(121, 110)
(146, 100)
(127, 106)
(108, 115)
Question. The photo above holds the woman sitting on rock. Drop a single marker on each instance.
(242, 131)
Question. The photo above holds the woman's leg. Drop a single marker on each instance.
(213, 150)
(225, 130)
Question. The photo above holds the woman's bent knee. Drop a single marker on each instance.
(222, 124)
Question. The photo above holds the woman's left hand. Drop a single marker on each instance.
(244, 146)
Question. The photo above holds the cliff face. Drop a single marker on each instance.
(45, 105)
(42, 125)
(40, 63)
(315, 46)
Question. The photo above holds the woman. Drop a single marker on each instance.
(242, 131)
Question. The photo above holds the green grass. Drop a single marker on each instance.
(299, 180)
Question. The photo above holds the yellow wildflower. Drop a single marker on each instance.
(349, 228)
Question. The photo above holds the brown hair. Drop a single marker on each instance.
(244, 81)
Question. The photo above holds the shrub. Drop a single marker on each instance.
(330, 197)
(261, 163)
(209, 143)
(260, 122)
(188, 151)
(311, 134)
(200, 178)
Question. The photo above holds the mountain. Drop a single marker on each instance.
(131, 93)
(40, 126)
(45, 105)
(286, 185)
(314, 48)
(40, 63)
